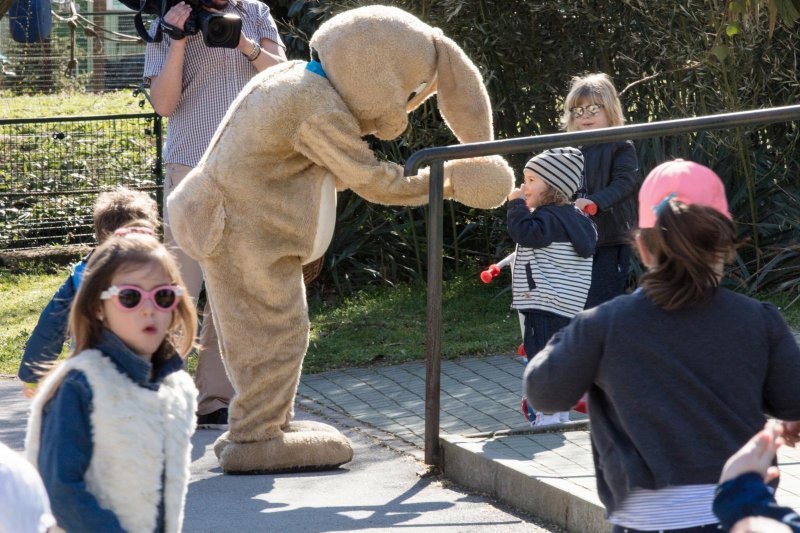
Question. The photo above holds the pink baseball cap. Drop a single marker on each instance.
(684, 181)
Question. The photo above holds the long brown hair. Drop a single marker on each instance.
(688, 245)
(129, 252)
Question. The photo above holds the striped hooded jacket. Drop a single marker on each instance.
(553, 266)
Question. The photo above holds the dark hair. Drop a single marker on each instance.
(113, 209)
(688, 244)
(129, 252)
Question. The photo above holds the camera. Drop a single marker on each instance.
(220, 30)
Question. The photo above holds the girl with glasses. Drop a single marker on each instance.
(608, 187)
(110, 427)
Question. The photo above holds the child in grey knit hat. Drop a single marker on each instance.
(555, 241)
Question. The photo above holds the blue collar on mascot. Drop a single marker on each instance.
(316, 67)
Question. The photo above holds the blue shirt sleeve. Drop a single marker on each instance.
(747, 495)
(47, 339)
(532, 230)
(64, 457)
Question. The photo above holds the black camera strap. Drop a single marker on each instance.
(173, 31)
(142, 31)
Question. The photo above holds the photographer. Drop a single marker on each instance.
(194, 84)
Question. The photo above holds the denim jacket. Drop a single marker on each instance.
(47, 339)
(66, 439)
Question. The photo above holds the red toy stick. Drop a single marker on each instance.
(494, 270)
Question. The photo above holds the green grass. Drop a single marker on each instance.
(388, 325)
(71, 104)
(377, 326)
(24, 297)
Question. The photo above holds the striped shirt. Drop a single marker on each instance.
(212, 77)
(675, 507)
(552, 269)
(553, 279)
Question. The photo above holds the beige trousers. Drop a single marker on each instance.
(212, 381)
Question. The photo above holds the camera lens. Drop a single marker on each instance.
(221, 30)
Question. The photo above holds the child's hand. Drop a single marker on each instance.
(791, 432)
(516, 193)
(757, 455)
(29, 390)
(581, 204)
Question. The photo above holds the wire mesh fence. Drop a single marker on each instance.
(52, 169)
(89, 48)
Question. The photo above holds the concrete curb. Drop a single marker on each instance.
(550, 497)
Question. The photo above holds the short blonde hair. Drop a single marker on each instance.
(598, 89)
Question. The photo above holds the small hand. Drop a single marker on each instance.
(791, 432)
(756, 455)
(581, 204)
(177, 15)
(516, 193)
(29, 390)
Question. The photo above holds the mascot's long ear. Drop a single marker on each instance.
(463, 100)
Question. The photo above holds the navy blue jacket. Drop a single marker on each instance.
(47, 339)
(66, 439)
(611, 180)
(747, 495)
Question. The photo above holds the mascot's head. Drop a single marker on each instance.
(384, 63)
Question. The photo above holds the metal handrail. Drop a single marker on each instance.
(438, 155)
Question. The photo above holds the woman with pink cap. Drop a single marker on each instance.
(680, 373)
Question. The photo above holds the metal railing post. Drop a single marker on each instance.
(434, 335)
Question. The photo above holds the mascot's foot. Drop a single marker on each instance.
(301, 446)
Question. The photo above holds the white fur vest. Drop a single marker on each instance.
(137, 433)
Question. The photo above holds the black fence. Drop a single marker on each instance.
(91, 51)
(52, 169)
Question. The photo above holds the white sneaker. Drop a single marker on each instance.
(543, 420)
(563, 417)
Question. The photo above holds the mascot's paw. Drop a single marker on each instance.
(301, 447)
(482, 182)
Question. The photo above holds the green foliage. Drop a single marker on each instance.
(669, 60)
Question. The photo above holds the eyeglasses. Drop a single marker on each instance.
(131, 297)
(590, 110)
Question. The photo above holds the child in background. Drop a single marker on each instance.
(744, 503)
(609, 183)
(112, 210)
(555, 242)
(681, 371)
(110, 426)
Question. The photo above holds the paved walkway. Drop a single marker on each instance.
(550, 474)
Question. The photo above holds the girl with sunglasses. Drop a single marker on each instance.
(608, 187)
(110, 427)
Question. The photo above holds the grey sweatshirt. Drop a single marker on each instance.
(671, 394)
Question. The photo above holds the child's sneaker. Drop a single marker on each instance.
(527, 412)
(521, 357)
(543, 420)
